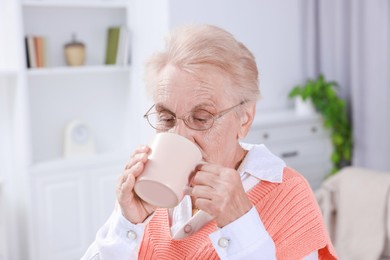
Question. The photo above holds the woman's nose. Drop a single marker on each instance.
(181, 129)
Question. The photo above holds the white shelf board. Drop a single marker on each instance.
(66, 164)
(76, 4)
(77, 70)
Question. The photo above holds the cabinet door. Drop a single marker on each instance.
(102, 185)
(60, 225)
(69, 206)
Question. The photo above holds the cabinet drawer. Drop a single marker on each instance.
(304, 151)
(270, 134)
(310, 158)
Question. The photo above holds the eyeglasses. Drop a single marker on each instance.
(199, 120)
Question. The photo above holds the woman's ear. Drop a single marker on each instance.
(246, 120)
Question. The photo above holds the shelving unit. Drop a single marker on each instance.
(98, 99)
(95, 90)
(58, 21)
(63, 212)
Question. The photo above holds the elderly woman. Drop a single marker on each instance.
(244, 202)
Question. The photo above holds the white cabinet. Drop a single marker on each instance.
(70, 201)
(71, 198)
(301, 141)
(59, 205)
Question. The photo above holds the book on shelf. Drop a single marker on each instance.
(35, 47)
(30, 52)
(28, 55)
(117, 48)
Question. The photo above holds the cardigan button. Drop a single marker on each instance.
(187, 228)
(223, 242)
(132, 235)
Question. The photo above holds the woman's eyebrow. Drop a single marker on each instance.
(161, 107)
(201, 106)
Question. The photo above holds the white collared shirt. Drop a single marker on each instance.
(259, 164)
(244, 238)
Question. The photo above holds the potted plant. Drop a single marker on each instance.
(325, 100)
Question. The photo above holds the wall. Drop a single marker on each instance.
(272, 30)
(149, 27)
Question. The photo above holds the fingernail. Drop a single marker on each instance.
(187, 190)
(201, 164)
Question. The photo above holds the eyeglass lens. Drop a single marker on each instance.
(198, 120)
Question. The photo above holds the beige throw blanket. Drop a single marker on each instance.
(354, 204)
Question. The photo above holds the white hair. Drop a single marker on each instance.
(196, 47)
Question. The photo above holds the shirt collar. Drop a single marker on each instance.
(261, 163)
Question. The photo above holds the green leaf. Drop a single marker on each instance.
(306, 92)
(296, 91)
(335, 157)
(347, 154)
(333, 111)
(328, 123)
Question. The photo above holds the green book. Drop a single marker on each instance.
(112, 44)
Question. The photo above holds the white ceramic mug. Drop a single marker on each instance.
(166, 174)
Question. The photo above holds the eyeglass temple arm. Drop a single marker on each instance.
(229, 109)
(146, 114)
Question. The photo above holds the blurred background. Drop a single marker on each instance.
(72, 99)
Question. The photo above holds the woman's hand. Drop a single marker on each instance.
(133, 208)
(219, 192)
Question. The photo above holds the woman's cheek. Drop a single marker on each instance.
(212, 144)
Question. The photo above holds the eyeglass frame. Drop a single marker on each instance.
(184, 117)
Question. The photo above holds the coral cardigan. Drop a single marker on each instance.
(289, 213)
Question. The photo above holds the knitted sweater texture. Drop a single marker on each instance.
(288, 211)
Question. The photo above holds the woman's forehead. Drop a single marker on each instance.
(174, 84)
(187, 96)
